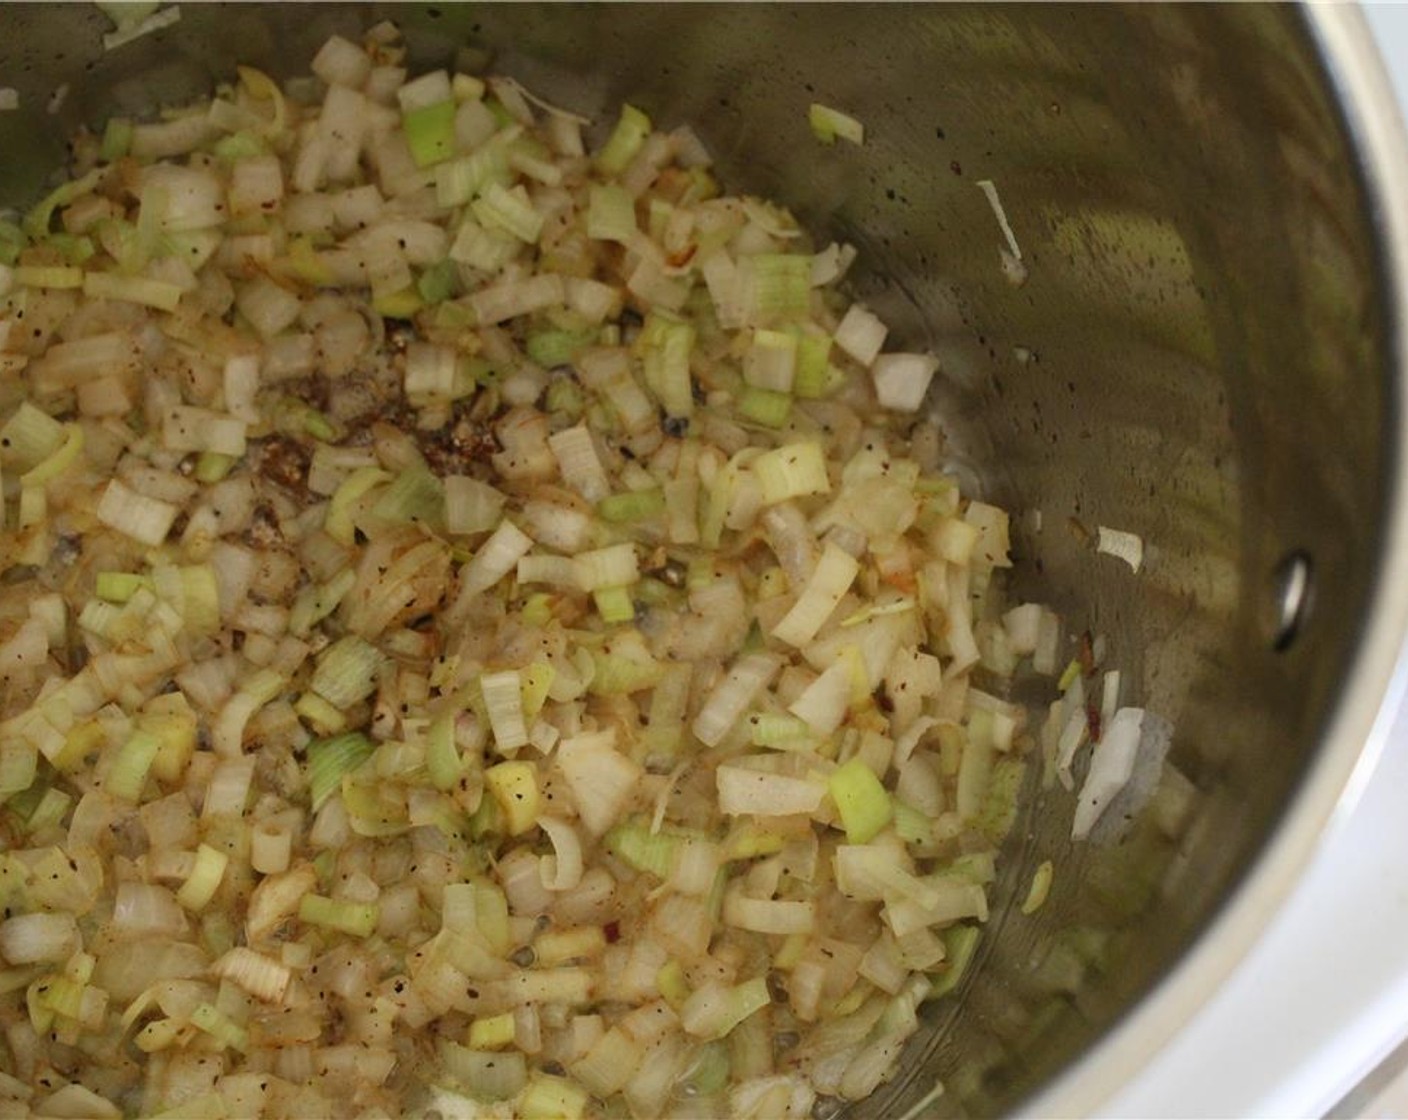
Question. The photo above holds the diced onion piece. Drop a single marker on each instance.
(726, 704)
(834, 574)
(1124, 768)
(602, 780)
(1109, 697)
(29, 437)
(546, 1097)
(775, 916)
(989, 189)
(511, 299)
(747, 791)
(1122, 545)
(992, 547)
(197, 429)
(149, 18)
(130, 766)
(861, 334)
(1023, 626)
(268, 307)
(902, 380)
(39, 937)
(562, 870)
(496, 558)
(471, 506)
(342, 63)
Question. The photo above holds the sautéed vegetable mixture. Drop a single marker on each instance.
(484, 628)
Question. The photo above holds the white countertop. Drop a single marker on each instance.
(1323, 998)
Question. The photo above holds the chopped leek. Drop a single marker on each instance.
(765, 406)
(552, 1098)
(356, 919)
(204, 880)
(430, 132)
(611, 214)
(515, 789)
(828, 124)
(863, 803)
(635, 845)
(634, 505)
(330, 759)
(131, 765)
(614, 604)
(794, 470)
(778, 288)
(220, 1027)
(961, 946)
(503, 701)
(493, 1033)
(346, 671)
(625, 141)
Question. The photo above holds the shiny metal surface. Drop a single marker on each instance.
(1206, 352)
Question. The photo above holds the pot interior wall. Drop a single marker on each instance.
(1197, 356)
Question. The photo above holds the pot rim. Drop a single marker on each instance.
(1357, 731)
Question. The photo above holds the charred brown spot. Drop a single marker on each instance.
(455, 447)
(263, 531)
(284, 460)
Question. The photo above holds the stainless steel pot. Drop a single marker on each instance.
(1207, 351)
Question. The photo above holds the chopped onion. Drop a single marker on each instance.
(834, 574)
(562, 870)
(37, 938)
(743, 790)
(726, 704)
(494, 560)
(902, 380)
(861, 334)
(773, 916)
(989, 190)
(602, 779)
(1128, 547)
